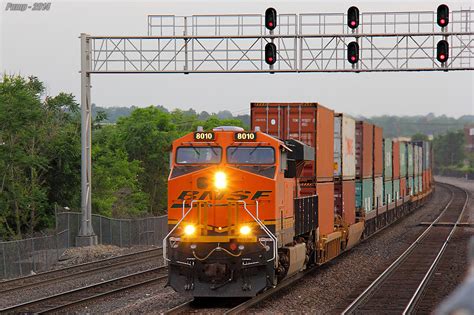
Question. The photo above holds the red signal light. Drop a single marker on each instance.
(353, 58)
(353, 23)
(270, 59)
(442, 21)
(442, 57)
(270, 24)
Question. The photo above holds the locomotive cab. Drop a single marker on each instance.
(230, 211)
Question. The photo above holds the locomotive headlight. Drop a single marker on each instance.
(245, 230)
(189, 229)
(220, 180)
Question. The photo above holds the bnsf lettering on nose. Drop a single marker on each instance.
(216, 195)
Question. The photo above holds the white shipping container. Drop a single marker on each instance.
(378, 192)
(344, 141)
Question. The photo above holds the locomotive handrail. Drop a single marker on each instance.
(264, 228)
(165, 240)
(256, 219)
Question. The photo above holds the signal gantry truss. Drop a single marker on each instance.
(396, 41)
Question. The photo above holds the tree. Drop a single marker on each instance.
(419, 137)
(449, 149)
(23, 197)
(147, 135)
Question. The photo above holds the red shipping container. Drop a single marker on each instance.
(325, 193)
(344, 200)
(396, 159)
(364, 149)
(403, 187)
(378, 151)
(310, 123)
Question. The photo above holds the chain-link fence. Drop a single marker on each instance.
(23, 257)
(32, 255)
(118, 232)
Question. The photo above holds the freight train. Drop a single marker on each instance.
(247, 209)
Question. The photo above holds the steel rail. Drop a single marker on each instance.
(424, 282)
(382, 277)
(26, 307)
(70, 272)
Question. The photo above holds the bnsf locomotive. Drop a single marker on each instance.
(242, 216)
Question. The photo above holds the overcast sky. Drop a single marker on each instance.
(46, 44)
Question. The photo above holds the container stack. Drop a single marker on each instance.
(378, 167)
(403, 169)
(344, 167)
(396, 169)
(387, 172)
(364, 167)
(313, 125)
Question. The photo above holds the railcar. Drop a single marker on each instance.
(242, 215)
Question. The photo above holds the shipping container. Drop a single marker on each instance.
(415, 185)
(396, 189)
(387, 159)
(403, 160)
(409, 158)
(395, 159)
(344, 200)
(426, 155)
(403, 187)
(378, 192)
(310, 123)
(344, 147)
(325, 192)
(415, 160)
(378, 151)
(364, 194)
(388, 194)
(410, 186)
(420, 161)
(364, 149)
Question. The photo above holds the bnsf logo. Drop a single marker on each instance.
(220, 195)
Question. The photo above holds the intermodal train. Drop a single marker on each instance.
(248, 209)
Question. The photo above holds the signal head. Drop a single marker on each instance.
(270, 53)
(353, 17)
(442, 15)
(270, 19)
(442, 51)
(353, 52)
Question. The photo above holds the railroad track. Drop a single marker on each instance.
(196, 306)
(76, 271)
(65, 300)
(400, 286)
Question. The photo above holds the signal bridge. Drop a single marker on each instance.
(271, 43)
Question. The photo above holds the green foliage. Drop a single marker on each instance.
(419, 137)
(449, 149)
(395, 126)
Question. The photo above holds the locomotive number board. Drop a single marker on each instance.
(245, 136)
(204, 136)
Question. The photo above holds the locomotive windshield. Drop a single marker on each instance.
(198, 155)
(250, 155)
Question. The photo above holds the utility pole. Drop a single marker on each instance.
(86, 235)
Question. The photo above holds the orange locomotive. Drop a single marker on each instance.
(237, 221)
